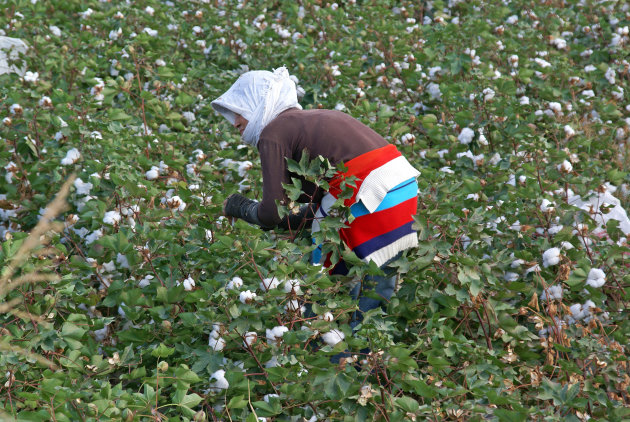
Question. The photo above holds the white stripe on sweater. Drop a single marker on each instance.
(380, 180)
(324, 207)
(387, 252)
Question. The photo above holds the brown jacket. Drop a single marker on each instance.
(332, 134)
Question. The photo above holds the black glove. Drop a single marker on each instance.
(303, 218)
(236, 205)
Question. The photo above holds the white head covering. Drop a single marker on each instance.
(259, 96)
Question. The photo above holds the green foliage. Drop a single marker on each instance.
(142, 317)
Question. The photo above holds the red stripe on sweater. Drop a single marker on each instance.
(369, 226)
(360, 167)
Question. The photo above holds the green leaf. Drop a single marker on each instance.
(191, 400)
(162, 351)
(407, 404)
(237, 402)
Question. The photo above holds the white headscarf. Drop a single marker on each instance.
(259, 96)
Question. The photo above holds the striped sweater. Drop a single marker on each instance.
(383, 203)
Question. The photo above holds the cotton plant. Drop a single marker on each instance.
(570, 84)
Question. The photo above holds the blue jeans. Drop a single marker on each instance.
(383, 285)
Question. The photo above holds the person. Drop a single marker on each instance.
(264, 107)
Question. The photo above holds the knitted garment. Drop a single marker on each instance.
(384, 201)
(259, 96)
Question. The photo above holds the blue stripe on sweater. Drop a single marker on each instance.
(396, 195)
(378, 242)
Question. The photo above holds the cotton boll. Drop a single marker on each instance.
(569, 131)
(152, 174)
(243, 167)
(555, 293)
(189, 283)
(100, 335)
(272, 363)
(216, 342)
(555, 227)
(267, 397)
(617, 93)
(235, 284)
(610, 75)
(16, 109)
(220, 382)
(547, 206)
(45, 102)
(250, 338)
(434, 91)
(328, 316)
(292, 286)
(565, 167)
(31, 77)
(175, 203)
(551, 257)
(81, 187)
(275, 334)
(407, 138)
(112, 218)
(109, 267)
(333, 337)
(576, 311)
(559, 43)
(269, 283)
(92, 237)
(510, 276)
(131, 210)
(150, 32)
(191, 169)
(145, 281)
(587, 306)
(466, 136)
(55, 30)
(247, 296)
(294, 306)
(72, 156)
(596, 278)
(555, 107)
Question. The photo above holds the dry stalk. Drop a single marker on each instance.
(39, 235)
(34, 239)
(28, 354)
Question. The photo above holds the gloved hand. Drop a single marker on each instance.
(236, 205)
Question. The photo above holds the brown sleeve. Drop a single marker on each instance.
(275, 173)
